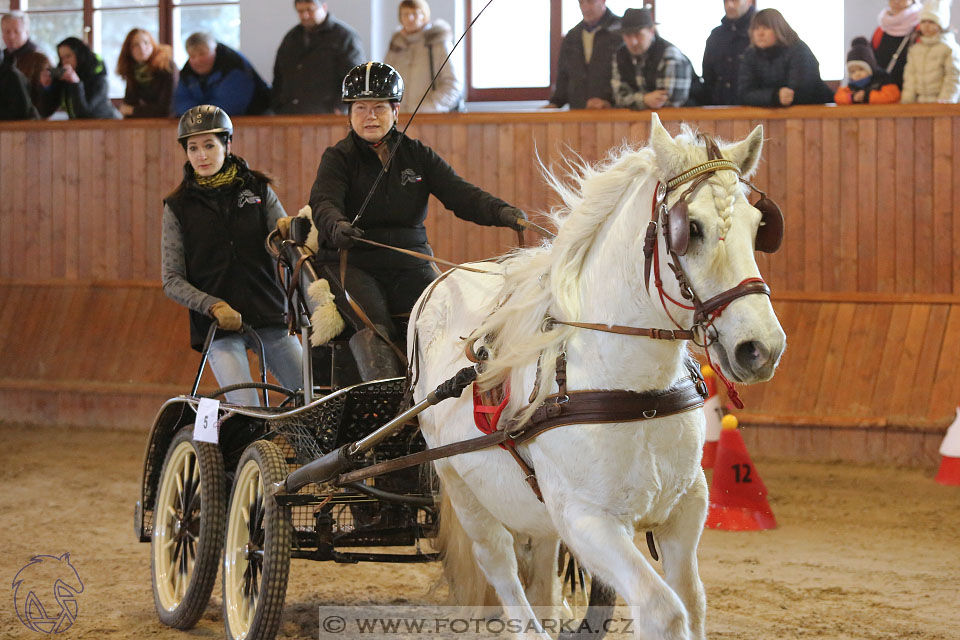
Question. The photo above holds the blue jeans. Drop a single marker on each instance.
(228, 359)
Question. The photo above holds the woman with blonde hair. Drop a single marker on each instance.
(418, 48)
(151, 76)
(778, 68)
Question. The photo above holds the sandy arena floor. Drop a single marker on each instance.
(861, 552)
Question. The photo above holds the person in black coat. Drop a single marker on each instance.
(386, 283)
(583, 81)
(312, 60)
(16, 39)
(778, 68)
(15, 101)
(213, 259)
(79, 84)
(891, 41)
(724, 51)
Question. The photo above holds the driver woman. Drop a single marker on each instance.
(213, 257)
(385, 283)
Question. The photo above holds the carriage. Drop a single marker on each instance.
(294, 494)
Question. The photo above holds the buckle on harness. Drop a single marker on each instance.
(650, 414)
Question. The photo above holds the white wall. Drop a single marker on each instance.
(263, 23)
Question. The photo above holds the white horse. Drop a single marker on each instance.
(600, 482)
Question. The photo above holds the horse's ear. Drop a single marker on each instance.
(666, 150)
(746, 153)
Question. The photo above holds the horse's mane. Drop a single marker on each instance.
(546, 280)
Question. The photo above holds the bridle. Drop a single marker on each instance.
(675, 222)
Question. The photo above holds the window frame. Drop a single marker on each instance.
(514, 93)
(523, 93)
(165, 9)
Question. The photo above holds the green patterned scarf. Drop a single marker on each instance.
(143, 74)
(227, 175)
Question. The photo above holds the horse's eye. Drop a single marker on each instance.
(695, 230)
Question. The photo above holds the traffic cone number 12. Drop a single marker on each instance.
(746, 473)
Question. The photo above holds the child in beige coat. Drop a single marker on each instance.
(932, 73)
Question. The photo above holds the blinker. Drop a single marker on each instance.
(770, 232)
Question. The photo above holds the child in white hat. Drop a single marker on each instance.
(932, 73)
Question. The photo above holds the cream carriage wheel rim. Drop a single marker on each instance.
(176, 531)
(243, 557)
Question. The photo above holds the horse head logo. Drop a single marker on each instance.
(45, 594)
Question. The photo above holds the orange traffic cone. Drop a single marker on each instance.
(738, 497)
(949, 473)
(714, 414)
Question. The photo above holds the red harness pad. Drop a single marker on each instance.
(486, 415)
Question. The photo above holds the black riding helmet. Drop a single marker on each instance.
(372, 81)
(204, 118)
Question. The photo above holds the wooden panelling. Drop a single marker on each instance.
(870, 196)
(867, 285)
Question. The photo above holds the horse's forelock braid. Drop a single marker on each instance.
(724, 187)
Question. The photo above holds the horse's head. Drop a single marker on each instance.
(709, 230)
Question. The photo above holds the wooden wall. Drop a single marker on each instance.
(867, 283)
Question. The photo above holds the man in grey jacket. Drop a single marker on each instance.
(586, 55)
(312, 61)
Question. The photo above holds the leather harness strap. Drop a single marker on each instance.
(656, 334)
(580, 407)
(745, 288)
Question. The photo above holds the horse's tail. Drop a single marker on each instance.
(468, 586)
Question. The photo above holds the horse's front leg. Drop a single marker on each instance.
(605, 546)
(678, 538)
(493, 549)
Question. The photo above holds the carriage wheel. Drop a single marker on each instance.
(256, 559)
(188, 532)
(583, 598)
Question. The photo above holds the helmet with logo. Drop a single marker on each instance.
(204, 118)
(372, 81)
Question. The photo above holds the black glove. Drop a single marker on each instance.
(344, 235)
(508, 217)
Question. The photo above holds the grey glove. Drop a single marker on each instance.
(508, 217)
(344, 235)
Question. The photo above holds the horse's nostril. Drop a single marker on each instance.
(752, 355)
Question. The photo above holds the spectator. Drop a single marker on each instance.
(216, 74)
(586, 56)
(16, 38)
(932, 73)
(213, 259)
(36, 68)
(778, 68)
(312, 60)
(898, 24)
(648, 71)
(78, 85)
(867, 83)
(417, 49)
(383, 282)
(15, 101)
(724, 52)
(148, 69)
